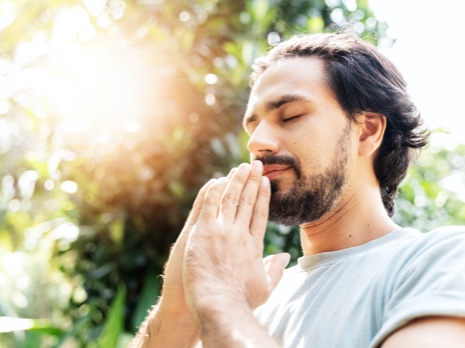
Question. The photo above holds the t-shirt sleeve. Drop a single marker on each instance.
(430, 281)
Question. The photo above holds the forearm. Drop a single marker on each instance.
(231, 326)
(165, 329)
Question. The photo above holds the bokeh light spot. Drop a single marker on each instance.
(184, 16)
(210, 99)
(211, 79)
(69, 186)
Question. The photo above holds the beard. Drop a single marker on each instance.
(310, 197)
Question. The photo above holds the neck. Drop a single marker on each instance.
(360, 219)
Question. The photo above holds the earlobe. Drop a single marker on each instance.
(372, 126)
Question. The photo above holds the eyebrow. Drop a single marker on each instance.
(274, 105)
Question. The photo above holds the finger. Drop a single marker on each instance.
(232, 194)
(274, 268)
(212, 199)
(261, 209)
(249, 194)
(231, 173)
(178, 247)
(194, 213)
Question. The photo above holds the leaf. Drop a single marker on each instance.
(114, 324)
(10, 324)
(148, 297)
(117, 231)
(315, 25)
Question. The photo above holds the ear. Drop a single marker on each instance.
(371, 131)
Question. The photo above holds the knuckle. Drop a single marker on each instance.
(265, 193)
(229, 198)
(261, 212)
(211, 200)
(241, 179)
(248, 199)
(256, 179)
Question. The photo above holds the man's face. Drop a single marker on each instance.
(303, 137)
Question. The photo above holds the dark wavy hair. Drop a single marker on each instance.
(363, 80)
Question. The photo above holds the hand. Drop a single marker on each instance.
(205, 264)
(172, 300)
(223, 258)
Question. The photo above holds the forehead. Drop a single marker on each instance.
(301, 76)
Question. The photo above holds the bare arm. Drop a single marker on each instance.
(429, 332)
(162, 329)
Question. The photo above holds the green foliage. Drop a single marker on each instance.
(114, 323)
(112, 117)
(433, 194)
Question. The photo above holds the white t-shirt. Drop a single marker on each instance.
(358, 296)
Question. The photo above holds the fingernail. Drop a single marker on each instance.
(257, 166)
(283, 259)
(244, 168)
(265, 181)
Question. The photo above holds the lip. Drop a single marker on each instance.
(272, 171)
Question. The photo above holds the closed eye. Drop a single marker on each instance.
(291, 118)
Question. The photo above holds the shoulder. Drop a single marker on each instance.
(431, 266)
(428, 268)
(435, 251)
(448, 240)
(441, 238)
(446, 232)
(426, 279)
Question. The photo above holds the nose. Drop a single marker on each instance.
(263, 140)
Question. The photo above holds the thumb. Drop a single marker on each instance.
(274, 268)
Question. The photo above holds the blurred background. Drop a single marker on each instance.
(114, 113)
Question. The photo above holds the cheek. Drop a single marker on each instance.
(313, 152)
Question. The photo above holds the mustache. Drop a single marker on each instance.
(282, 160)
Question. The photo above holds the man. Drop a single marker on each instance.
(332, 132)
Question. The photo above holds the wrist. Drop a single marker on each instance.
(217, 305)
(161, 328)
(231, 324)
(169, 312)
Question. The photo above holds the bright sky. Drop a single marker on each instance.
(430, 52)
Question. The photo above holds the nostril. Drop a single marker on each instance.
(263, 139)
(260, 146)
